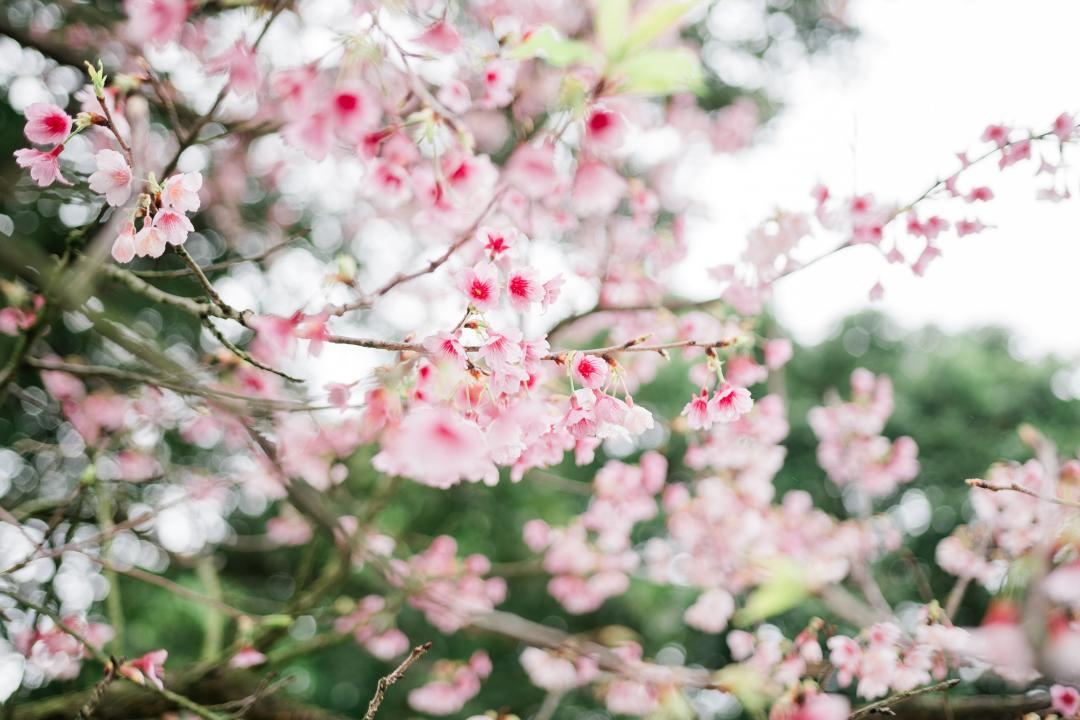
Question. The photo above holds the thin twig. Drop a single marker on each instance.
(385, 682)
(229, 312)
(212, 267)
(882, 706)
(1016, 487)
(432, 266)
(244, 354)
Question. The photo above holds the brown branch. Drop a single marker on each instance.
(885, 706)
(385, 682)
(1016, 487)
(184, 272)
(228, 311)
(432, 266)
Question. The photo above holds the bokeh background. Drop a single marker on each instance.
(879, 103)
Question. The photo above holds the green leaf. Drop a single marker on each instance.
(655, 21)
(745, 684)
(547, 44)
(659, 72)
(612, 22)
(784, 589)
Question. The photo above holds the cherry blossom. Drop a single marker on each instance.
(44, 166)
(150, 668)
(46, 124)
(112, 177)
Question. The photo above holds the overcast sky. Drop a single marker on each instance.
(920, 84)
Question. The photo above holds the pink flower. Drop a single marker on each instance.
(455, 96)
(44, 166)
(1064, 126)
(777, 353)
(353, 112)
(246, 657)
(597, 189)
(338, 394)
(156, 21)
(523, 289)
(112, 177)
(532, 170)
(173, 226)
(181, 192)
(997, 134)
(811, 706)
(46, 124)
(480, 284)
(499, 78)
(1065, 700)
(311, 133)
(446, 346)
(552, 290)
(497, 242)
(697, 412)
(441, 37)
(590, 371)
(149, 668)
(436, 446)
(150, 241)
(730, 403)
(711, 611)
(846, 656)
(605, 129)
(123, 249)
(240, 63)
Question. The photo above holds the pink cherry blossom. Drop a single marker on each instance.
(156, 21)
(353, 111)
(46, 124)
(1064, 127)
(241, 65)
(173, 226)
(436, 447)
(605, 130)
(181, 192)
(522, 288)
(446, 346)
(697, 412)
(590, 371)
(997, 134)
(246, 657)
(1065, 700)
(150, 241)
(711, 611)
(440, 37)
(150, 668)
(123, 248)
(730, 403)
(44, 166)
(480, 285)
(597, 189)
(112, 177)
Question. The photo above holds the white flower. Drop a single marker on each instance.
(112, 178)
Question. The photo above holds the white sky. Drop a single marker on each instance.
(920, 84)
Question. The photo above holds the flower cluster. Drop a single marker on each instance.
(448, 590)
(371, 624)
(453, 685)
(590, 560)
(886, 659)
(46, 124)
(851, 448)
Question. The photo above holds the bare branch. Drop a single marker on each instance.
(385, 682)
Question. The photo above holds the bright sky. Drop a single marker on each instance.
(887, 117)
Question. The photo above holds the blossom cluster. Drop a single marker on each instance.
(851, 448)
